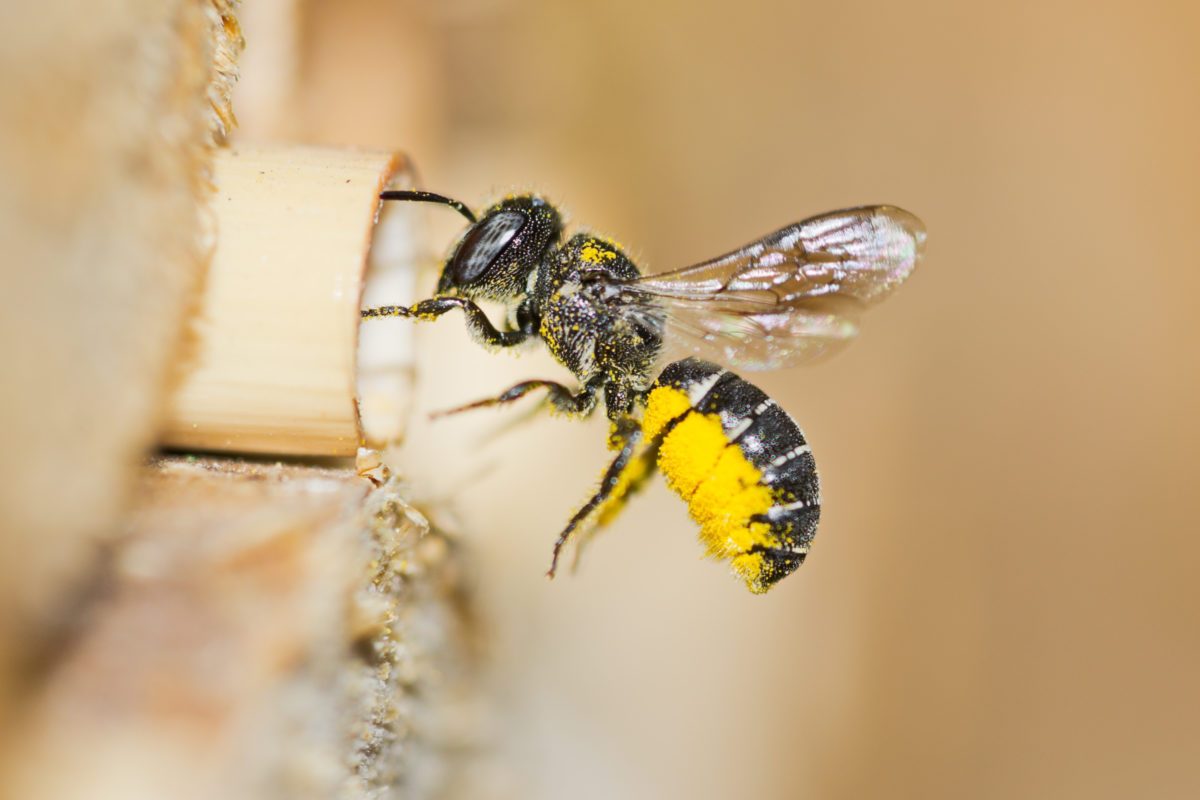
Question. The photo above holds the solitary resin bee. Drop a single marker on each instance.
(739, 461)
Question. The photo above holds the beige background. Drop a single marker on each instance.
(1002, 599)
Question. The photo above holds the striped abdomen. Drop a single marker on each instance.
(742, 465)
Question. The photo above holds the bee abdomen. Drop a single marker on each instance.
(741, 463)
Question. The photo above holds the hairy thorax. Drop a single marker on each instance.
(570, 323)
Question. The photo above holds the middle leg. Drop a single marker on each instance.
(559, 396)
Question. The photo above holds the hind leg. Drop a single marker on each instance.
(625, 476)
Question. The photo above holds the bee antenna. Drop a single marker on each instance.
(427, 197)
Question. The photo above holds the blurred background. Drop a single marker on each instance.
(1002, 598)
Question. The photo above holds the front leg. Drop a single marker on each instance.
(480, 327)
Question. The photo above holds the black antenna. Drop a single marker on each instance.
(427, 197)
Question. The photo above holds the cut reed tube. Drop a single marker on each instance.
(273, 365)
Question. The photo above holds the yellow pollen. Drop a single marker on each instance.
(664, 404)
(722, 488)
(594, 255)
(633, 474)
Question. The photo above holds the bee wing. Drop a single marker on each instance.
(791, 295)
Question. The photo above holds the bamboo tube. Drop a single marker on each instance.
(273, 367)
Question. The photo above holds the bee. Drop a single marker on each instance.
(736, 458)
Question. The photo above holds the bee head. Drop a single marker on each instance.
(494, 256)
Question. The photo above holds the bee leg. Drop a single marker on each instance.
(627, 473)
(560, 397)
(478, 324)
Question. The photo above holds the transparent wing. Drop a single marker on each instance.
(789, 296)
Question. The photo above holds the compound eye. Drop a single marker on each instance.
(483, 245)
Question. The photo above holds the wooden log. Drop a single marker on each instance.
(261, 631)
(199, 628)
(108, 116)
